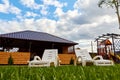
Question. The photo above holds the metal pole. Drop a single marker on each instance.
(97, 48)
(74, 49)
(113, 45)
(91, 47)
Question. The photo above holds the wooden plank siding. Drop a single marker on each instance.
(23, 57)
(65, 58)
(18, 57)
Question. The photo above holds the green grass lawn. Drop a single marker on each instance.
(60, 73)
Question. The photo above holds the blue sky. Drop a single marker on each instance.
(78, 20)
(50, 9)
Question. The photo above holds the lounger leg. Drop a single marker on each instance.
(29, 64)
(75, 62)
(83, 63)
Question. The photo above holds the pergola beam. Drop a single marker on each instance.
(104, 37)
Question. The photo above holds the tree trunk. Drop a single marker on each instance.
(116, 4)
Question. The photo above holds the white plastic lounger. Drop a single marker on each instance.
(49, 56)
(85, 57)
(102, 62)
(37, 62)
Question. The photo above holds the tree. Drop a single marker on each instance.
(113, 4)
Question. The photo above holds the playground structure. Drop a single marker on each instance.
(108, 45)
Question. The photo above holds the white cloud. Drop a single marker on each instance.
(7, 8)
(14, 10)
(44, 10)
(9, 26)
(31, 14)
(82, 24)
(46, 25)
(30, 4)
(43, 7)
(86, 44)
(4, 7)
(82, 4)
(58, 12)
(42, 25)
(98, 20)
(86, 22)
(55, 3)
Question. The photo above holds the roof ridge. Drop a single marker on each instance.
(59, 37)
(31, 35)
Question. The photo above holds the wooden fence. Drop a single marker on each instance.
(23, 57)
(18, 57)
(66, 58)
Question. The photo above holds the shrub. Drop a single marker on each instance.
(10, 60)
(72, 61)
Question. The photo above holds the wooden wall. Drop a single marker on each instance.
(65, 50)
(23, 57)
(18, 57)
(65, 58)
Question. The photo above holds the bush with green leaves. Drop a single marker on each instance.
(72, 61)
(10, 60)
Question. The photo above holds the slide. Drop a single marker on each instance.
(116, 57)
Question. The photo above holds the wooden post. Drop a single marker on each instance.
(30, 46)
(97, 47)
(113, 45)
(53, 45)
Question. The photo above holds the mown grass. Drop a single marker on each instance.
(60, 73)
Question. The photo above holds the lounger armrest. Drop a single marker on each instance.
(98, 57)
(58, 61)
(79, 59)
(37, 58)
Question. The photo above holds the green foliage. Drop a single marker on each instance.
(60, 73)
(10, 60)
(109, 3)
(113, 4)
(100, 3)
(72, 61)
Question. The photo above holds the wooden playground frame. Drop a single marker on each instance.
(108, 44)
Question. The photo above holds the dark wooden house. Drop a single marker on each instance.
(31, 43)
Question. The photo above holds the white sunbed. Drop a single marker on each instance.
(83, 56)
(49, 56)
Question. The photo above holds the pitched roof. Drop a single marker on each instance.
(36, 36)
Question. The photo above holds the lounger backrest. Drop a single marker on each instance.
(83, 53)
(50, 55)
(86, 54)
